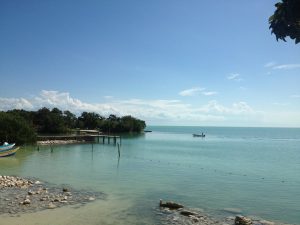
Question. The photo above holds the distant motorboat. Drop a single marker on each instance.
(6, 146)
(147, 131)
(199, 135)
(9, 152)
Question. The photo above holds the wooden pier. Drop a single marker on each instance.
(94, 138)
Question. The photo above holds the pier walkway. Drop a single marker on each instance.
(96, 138)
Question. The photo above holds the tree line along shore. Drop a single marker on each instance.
(21, 126)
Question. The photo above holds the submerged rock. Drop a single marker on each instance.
(170, 205)
(188, 213)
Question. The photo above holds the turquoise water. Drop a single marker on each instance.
(254, 169)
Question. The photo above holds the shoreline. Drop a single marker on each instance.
(21, 196)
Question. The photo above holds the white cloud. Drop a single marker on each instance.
(234, 109)
(15, 103)
(270, 64)
(155, 111)
(286, 66)
(195, 91)
(235, 77)
(191, 92)
(281, 119)
(209, 93)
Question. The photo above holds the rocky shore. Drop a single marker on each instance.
(20, 195)
(177, 214)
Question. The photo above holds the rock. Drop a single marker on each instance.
(30, 192)
(43, 199)
(26, 201)
(37, 182)
(56, 200)
(242, 220)
(188, 213)
(195, 219)
(170, 205)
(65, 189)
(91, 199)
(51, 206)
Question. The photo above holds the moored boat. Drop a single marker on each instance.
(9, 152)
(199, 135)
(6, 146)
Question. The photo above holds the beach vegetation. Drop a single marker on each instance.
(15, 128)
(22, 126)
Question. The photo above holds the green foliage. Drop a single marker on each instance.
(89, 120)
(14, 128)
(21, 126)
(131, 124)
(286, 20)
(48, 121)
(70, 119)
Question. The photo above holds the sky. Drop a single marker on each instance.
(168, 62)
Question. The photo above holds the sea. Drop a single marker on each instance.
(255, 171)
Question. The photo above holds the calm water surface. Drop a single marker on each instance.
(254, 169)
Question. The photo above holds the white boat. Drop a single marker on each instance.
(6, 146)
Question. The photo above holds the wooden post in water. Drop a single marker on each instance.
(119, 152)
(120, 140)
(108, 140)
(103, 139)
(115, 140)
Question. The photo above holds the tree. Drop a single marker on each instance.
(48, 121)
(89, 120)
(70, 119)
(14, 128)
(286, 20)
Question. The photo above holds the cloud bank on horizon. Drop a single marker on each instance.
(156, 111)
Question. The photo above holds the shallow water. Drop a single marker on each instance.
(256, 170)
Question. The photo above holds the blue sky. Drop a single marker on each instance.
(168, 62)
